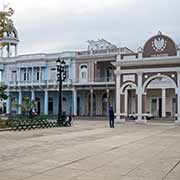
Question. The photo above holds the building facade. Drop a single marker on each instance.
(147, 81)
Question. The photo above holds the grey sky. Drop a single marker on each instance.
(58, 25)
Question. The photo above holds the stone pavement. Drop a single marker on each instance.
(90, 150)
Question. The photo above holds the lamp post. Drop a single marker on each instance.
(61, 76)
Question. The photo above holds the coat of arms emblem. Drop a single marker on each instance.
(159, 44)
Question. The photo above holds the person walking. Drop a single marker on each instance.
(111, 117)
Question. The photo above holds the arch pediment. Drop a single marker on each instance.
(159, 45)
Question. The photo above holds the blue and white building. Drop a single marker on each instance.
(34, 76)
(146, 81)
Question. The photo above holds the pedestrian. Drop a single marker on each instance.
(111, 117)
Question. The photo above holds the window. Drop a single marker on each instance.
(14, 76)
(38, 74)
(83, 73)
(53, 74)
(24, 74)
(109, 74)
(28, 74)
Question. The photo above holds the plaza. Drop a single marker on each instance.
(90, 150)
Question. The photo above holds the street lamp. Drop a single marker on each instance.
(61, 76)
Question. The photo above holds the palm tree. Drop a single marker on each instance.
(27, 105)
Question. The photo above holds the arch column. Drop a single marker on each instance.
(126, 102)
(139, 99)
(118, 95)
(163, 102)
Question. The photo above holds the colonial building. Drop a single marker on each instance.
(34, 76)
(149, 80)
(95, 82)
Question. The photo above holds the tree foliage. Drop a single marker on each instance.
(6, 24)
(2, 92)
(27, 105)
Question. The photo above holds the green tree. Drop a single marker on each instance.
(27, 105)
(6, 24)
(3, 96)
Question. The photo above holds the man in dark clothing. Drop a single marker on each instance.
(111, 117)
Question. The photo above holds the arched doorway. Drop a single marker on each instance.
(160, 96)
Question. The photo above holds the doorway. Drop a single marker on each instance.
(160, 107)
(156, 107)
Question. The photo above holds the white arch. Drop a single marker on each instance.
(133, 86)
(157, 76)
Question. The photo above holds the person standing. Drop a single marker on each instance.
(111, 117)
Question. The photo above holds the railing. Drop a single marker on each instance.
(37, 82)
(110, 79)
(103, 51)
(105, 79)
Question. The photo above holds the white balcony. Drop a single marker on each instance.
(37, 83)
(97, 80)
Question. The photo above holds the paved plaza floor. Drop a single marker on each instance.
(90, 150)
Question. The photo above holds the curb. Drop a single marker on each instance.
(5, 129)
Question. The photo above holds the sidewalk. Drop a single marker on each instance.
(90, 150)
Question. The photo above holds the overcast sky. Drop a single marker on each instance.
(50, 26)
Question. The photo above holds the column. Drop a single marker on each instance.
(15, 50)
(178, 99)
(20, 102)
(163, 102)
(118, 95)
(9, 49)
(19, 74)
(107, 93)
(140, 93)
(91, 102)
(126, 102)
(74, 102)
(32, 75)
(32, 95)
(46, 102)
(8, 103)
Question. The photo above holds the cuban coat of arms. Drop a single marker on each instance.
(159, 44)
